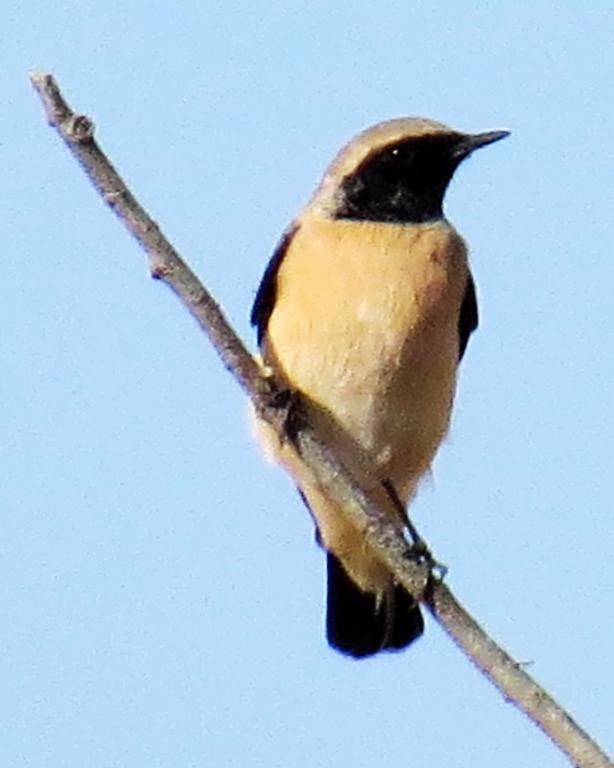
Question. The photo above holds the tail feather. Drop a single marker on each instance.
(361, 623)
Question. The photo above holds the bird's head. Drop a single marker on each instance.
(396, 171)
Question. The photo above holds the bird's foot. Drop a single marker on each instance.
(420, 552)
(289, 405)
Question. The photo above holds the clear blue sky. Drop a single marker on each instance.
(162, 597)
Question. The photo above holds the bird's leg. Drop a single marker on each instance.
(419, 547)
(291, 413)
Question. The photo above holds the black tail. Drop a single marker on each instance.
(358, 626)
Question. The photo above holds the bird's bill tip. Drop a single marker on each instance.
(477, 140)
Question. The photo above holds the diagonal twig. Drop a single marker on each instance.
(165, 264)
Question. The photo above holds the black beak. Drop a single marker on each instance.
(471, 141)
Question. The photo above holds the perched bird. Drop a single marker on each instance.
(365, 310)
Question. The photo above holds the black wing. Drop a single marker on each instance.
(468, 318)
(267, 291)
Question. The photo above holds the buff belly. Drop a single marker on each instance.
(369, 337)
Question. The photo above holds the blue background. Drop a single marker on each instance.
(161, 595)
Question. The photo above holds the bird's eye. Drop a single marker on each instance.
(391, 155)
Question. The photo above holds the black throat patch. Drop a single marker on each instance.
(401, 183)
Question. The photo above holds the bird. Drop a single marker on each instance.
(364, 312)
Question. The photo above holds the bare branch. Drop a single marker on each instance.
(165, 264)
(516, 686)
